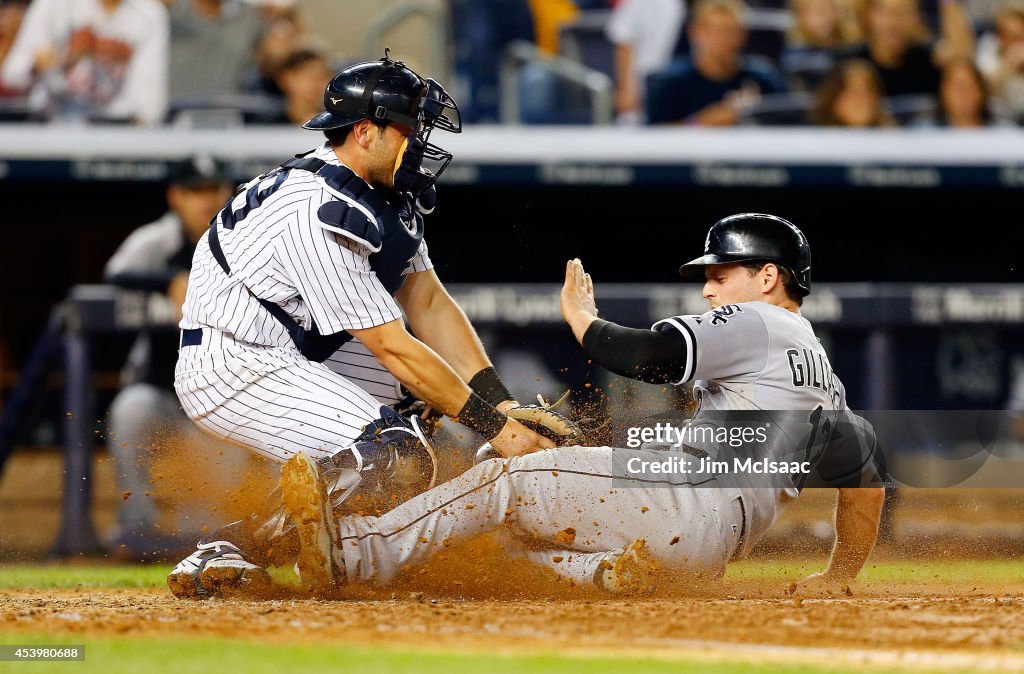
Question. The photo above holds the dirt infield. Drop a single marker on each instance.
(470, 599)
(979, 629)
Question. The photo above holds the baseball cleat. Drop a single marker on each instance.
(629, 570)
(214, 569)
(232, 576)
(304, 496)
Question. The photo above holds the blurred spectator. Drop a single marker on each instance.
(273, 10)
(481, 31)
(212, 45)
(717, 82)
(100, 60)
(645, 33)
(302, 77)
(982, 13)
(548, 17)
(285, 32)
(1001, 59)
(821, 30)
(156, 257)
(11, 13)
(852, 96)
(963, 97)
(898, 45)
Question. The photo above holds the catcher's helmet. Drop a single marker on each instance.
(755, 236)
(389, 91)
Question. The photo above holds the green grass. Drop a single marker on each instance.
(43, 577)
(70, 576)
(914, 572)
(206, 655)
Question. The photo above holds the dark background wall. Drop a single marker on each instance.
(60, 234)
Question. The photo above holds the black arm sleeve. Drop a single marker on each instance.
(646, 355)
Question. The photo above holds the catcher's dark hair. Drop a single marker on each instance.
(788, 280)
(337, 137)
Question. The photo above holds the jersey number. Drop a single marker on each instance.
(254, 197)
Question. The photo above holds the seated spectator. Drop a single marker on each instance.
(212, 45)
(851, 96)
(92, 60)
(717, 80)
(898, 46)
(302, 77)
(645, 33)
(285, 32)
(963, 97)
(821, 30)
(156, 257)
(1001, 59)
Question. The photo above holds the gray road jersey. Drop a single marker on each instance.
(756, 356)
(753, 356)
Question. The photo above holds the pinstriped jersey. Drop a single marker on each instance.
(756, 356)
(283, 252)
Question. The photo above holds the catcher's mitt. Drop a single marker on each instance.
(542, 418)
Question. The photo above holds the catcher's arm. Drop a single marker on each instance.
(441, 324)
(432, 380)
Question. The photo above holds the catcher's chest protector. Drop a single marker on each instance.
(387, 223)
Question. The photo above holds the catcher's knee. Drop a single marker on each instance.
(391, 461)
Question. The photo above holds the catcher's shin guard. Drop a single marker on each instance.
(390, 462)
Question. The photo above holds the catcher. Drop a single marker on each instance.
(293, 335)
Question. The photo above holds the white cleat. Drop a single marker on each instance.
(629, 570)
(304, 496)
(217, 569)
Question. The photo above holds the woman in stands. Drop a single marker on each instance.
(851, 96)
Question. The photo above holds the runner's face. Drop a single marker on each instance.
(729, 284)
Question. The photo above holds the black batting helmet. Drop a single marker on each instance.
(747, 237)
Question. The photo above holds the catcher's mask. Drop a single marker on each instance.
(389, 91)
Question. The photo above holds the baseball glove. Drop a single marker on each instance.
(542, 418)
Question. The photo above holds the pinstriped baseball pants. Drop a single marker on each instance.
(276, 402)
